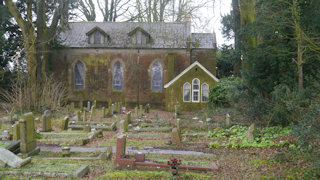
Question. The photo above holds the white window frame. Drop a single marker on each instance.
(197, 90)
(184, 91)
(202, 91)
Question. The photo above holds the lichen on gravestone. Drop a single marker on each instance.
(251, 132)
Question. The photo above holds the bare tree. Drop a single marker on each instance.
(87, 8)
(113, 9)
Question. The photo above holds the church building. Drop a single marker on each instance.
(136, 63)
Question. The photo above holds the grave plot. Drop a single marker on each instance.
(69, 138)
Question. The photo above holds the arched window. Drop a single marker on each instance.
(204, 92)
(79, 75)
(186, 92)
(117, 76)
(156, 77)
(195, 90)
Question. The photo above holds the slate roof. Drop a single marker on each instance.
(164, 35)
(203, 40)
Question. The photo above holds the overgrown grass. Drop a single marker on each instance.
(235, 137)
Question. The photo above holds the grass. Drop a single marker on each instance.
(41, 167)
(4, 144)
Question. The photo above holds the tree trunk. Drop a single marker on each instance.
(236, 29)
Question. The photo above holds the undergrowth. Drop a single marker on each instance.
(235, 137)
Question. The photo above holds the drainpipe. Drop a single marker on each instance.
(138, 87)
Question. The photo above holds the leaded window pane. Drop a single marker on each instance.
(157, 77)
(195, 95)
(186, 92)
(79, 75)
(117, 76)
(205, 92)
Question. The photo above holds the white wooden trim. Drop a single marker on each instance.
(198, 90)
(183, 92)
(187, 69)
(202, 91)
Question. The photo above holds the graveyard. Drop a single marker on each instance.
(138, 143)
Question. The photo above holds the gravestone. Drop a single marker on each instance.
(0, 123)
(156, 115)
(78, 116)
(28, 143)
(87, 128)
(7, 157)
(115, 108)
(103, 112)
(65, 123)
(89, 105)
(120, 108)
(228, 120)
(94, 103)
(81, 105)
(175, 111)
(129, 117)
(175, 137)
(121, 146)
(123, 126)
(84, 116)
(92, 113)
(16, 131)
(72, 107)
(136, 111)
(47, 112)
(112, 108)
(178, 127)
(46, 123)
(141, 110)
(250, 132)
(147, 108)
(109, 107)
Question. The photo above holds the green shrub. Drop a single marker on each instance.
(220, 93)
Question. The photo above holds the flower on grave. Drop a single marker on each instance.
(174, 163)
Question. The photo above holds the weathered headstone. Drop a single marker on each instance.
(84, 116)
(47, 112)
(175, 137)
(46, 123)
(7, 157)
(120, 108)
(81, 104)
(109, 107)
(28, 142)
(121, 146)
(228, 120)
(178, 126)
(147, 108)
(141, 110)
(136, 111)
(72, 107)
(89, 105)
(16, 131)
(129, 117)
(92, 112)
(0, 123)
(250, 132)
(65, 123)
(79, 116)
(156, 115)
(112, 108)
(175, 111)
(103, 112)
(94, 103)
(123, 126)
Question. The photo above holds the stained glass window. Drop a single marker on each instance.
(186, 92)
(204, 92)
(79, 75)
(157, 77)
(117, 76)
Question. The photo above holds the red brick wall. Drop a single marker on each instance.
(137, 73)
